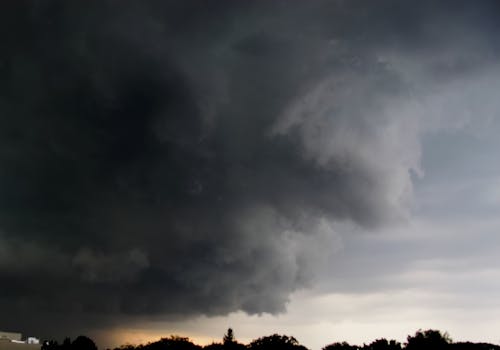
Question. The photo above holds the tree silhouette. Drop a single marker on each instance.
(230, 343)
(429, 339)
(50, 345)
(276, 342)
(214, 346)
(422, 340)
(66, 344)
(473, 346)
(173, 342)
(228, 337)
(383, 344)
(341, 346)
(82, 343)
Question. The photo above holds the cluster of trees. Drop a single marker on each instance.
(422, 340)
(275, 342)
(80, 343)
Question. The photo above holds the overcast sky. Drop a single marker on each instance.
(323, 169)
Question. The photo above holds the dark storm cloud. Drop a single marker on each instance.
(183, 158)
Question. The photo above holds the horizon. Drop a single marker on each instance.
(324, 169)
(142, 341)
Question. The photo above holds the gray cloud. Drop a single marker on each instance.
(110, 268)
(176, 158)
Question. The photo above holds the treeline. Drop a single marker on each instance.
(422, 340)
(80, 343)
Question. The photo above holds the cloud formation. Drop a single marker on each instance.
(182, 158)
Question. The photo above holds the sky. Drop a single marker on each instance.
(322, 169)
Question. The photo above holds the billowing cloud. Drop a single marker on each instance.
(177, 159)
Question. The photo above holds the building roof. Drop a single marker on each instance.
(10, 335)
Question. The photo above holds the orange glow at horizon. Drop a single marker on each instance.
(143, 336)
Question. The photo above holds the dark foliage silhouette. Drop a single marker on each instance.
(430, 339)
(229, 342)
(473, 346)
(215, 346)
(50, 345)
(341, 346)
(172, 343)
(83, 343)
(422, 340)
(276, 342)
(80, 343)
(228, 337)
(383, 344)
